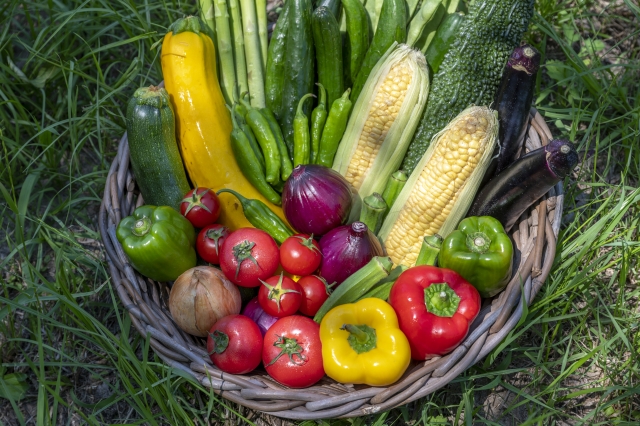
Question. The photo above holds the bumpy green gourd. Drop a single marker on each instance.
(470, 72)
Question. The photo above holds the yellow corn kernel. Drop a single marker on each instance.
(381, 116)
(442, 187)
(383, 119)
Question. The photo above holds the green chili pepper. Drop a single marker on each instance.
(241, 108)
(249, 163)
(278, 186)
(158, 241)
(334, 129)
(242, 125)
(301, 137)
(266, 139)
(261, 216)
(318, 118)
(286, 167)
(481, 252)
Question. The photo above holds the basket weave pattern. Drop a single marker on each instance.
(146, 301)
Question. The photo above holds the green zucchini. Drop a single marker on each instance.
(155, 157)
(471, 71)
(328, 45)
(444, 38)
(392, 27)
(299, 67)
(358, 39)
(274, 79)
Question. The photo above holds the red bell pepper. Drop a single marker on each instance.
(435, 308)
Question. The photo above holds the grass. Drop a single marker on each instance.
(69, 353)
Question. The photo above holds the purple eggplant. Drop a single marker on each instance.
(513, 102)
(511, 192)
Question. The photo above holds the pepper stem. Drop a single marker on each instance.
(141, 227)
(243, 200)
(299, 111)
(362, 338)
(478, 242)
(441, 300)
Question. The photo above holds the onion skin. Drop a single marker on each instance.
(346, 249)
(254, 311)
(316, 199)
(200, 296)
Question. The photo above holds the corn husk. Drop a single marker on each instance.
(392, 141)
(415, 213)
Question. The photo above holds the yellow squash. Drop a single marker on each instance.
(203, 122)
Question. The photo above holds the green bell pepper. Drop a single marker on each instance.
(481, 252)
(158, 241)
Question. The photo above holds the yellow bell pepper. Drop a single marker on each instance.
(203, 123)
(363, 344)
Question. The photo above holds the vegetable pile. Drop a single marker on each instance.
(345, 226)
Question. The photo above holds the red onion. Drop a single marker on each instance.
(346, 249)
(316, 199)
(254, 311)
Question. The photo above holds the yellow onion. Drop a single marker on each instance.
(200, 297)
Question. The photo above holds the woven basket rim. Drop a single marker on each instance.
(145, 300)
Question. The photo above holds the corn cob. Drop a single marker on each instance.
(442, 186)
(384, 119)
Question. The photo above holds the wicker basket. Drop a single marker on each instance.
(146, 300)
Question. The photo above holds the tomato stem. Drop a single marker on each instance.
(215, 234)
(288, 346)
(276, 292)
(308, 243)
(242, 252)
(220, 341)
(195, 200)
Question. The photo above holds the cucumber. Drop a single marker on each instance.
(299, 67)
(442, 41)
(328, 45)
(332, 5)
(155, 157)
(358, 40)
(392, 27)
(274, 79)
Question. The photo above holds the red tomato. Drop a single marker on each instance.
(235, 344)
(292, 351)
(201, 207)
(300, 255)
(280, 296)
(210, 241)
(248, 256)
(314, 292)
